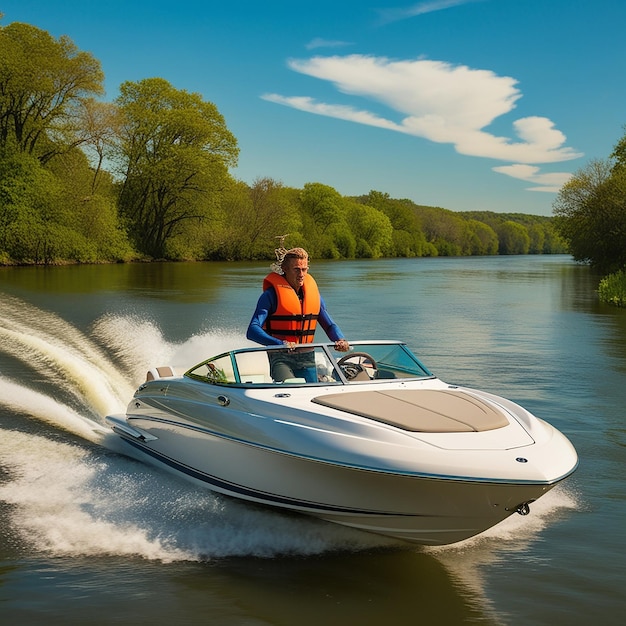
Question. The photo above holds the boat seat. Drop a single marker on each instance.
(160, 372)
(255, 379)
(253, 367)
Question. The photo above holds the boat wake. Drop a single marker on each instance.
(71, 492)
(81, 495)
(69, 500)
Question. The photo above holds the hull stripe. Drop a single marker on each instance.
(259, 496)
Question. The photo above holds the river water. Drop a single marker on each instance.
(88, 535)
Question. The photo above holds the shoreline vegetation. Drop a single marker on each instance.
(432, 232)
(612, 289)
(146, 177)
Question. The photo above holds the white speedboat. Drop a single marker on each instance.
(369, 439)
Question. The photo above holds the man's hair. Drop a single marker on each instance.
(295, 253)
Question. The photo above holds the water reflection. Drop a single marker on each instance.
(180, 282)
(404, 587)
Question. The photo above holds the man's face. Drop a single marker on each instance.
(295, 271)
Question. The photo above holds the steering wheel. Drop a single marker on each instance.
(352, 370)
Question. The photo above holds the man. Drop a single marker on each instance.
(287, 314)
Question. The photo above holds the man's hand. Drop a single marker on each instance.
(342, 345)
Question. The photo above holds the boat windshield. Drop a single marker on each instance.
(318, 364)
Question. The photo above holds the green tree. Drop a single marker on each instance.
(398, 211)
(372, 230)
(514, 238)
(271, 213)
(537, 238)
(175, 150)
(323, 204)
(35, 225)
(408, 239)
(101, 124)
(619, 153)
(23, 187)
(482, 239)
(43, 86)
(323, 212)
(590, 215)
(553, 243)
(92, 208)
(443, 229)
(49, 211)
(253, 216)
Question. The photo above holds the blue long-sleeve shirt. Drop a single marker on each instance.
(266, 306)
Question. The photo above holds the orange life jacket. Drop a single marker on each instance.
(293, 320)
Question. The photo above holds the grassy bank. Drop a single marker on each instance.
(612, 289)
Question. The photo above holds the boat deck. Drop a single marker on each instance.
(420, 410)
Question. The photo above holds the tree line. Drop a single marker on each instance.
(590, 212)
(147, 177)
(590, 215)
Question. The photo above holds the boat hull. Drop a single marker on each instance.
(424, 509)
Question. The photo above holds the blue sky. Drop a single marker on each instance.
(464, 104)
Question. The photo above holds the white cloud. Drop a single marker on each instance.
(332, 110)
(394, 15)
(435, 100)
(551, 182)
